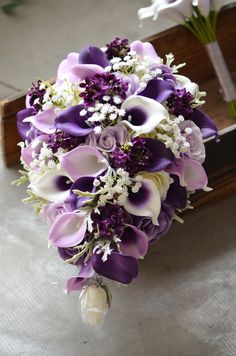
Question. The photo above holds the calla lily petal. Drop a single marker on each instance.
(22, 126)
(146, 202)
(34, 146)
(84, 161)
(134, 242)
(117, 267)
(44, 121)
(93, 55)
(85, 184)
(145, 49)
(190, 172)
(82, 71)
(76, 283)
(158, 90)
(144, 114)
(205, 123)
(65, 69)
(68, 230)
(162, 157)
(176, 195)
(53, 185)
(71, 122)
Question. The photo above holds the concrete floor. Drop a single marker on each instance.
(184, 301)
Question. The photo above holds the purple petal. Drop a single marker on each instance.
(24, 127)
(134, 242)
(93, 55)
(158, 90)
(44, 121)
(176, 195)
(144, 49)
(71, 122)
(162, 157)
(65, 69)
(85, 184)
(190, 172)
(26, 153)
(118, 267)
(82, 71)
(73, 284)
(205, 123)
(84, 161)
(68, 230)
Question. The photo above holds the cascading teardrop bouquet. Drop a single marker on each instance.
(111, 153)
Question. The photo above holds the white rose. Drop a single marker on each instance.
(94, 301)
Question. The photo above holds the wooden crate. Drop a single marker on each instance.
(220, 163)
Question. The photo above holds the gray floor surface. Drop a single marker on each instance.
(184, 301)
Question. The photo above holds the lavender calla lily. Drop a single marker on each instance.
(190, 172)
(118, 267)
(145, 49)
(84, 161)
(44, 121)
(84, 184)
(68, 230)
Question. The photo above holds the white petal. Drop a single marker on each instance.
(151, 207)
(45, 185)
(154, 112)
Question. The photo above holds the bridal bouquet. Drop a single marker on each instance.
(111, 153)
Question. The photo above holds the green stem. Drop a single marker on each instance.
(232, 107)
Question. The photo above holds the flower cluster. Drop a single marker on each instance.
(112, 151)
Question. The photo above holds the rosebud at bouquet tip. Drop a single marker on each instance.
(111, 154)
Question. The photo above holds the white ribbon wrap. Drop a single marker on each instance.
(221, 70)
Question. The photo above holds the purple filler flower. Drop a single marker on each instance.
(154, 232)
(100, 86)
(179, 103)
(117, 48)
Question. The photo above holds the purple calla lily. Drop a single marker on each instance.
(176, 195)
(205, 123)
(158, 90)
(85, 184)
(117, 267)
(93, 55)
(84, 161)
(134, 242)
(68, 230)
(76, 283)
(161, 158)
(71, 122)
(22, 126)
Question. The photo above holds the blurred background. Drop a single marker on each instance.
(184, 301)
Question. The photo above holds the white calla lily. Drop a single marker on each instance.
(144, 114)
(146, 202)
(161, 179)
(203, 6)
(51, 185)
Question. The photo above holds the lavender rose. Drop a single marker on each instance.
(51, 211)
(194, 138)
(155, 232)
(109, 138)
